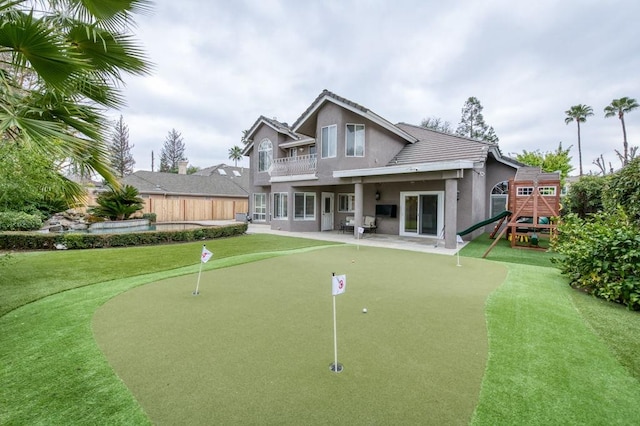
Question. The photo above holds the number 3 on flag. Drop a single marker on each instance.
(339, 283)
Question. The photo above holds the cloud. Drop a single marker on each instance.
(219, 65)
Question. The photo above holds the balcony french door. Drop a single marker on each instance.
(422, 213)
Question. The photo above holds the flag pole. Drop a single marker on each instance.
(458, 238)
(335, 333)
(196, 292)
(204, 257)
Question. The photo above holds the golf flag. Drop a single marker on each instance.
(339, 282)
(206, 255)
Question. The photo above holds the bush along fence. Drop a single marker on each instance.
(72, 241)
(602, 256)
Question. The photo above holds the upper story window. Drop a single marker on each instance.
(329, 141)
(355, 140)
(265, 155)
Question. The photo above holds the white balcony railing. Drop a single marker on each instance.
(292, 166)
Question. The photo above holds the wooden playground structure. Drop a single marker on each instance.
(534, 203)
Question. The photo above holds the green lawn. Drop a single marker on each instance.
(555, 356)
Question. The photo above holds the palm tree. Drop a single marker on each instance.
(235, 154)
(73, 54)
(619, 107)
(579, 113)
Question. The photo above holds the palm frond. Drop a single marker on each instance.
(33, 43)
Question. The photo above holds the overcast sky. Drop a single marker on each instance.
(221, 64)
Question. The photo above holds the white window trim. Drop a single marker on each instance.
(524, 191)
(346, 135)
(322, 142)
(350, 203)
(305, 216)
(283, 199)
(547, 191)
(440, 214)
(263, 203)
(269, 154)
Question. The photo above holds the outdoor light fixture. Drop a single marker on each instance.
(377, 195)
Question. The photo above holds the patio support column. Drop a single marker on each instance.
(359, 207)
(450, 213)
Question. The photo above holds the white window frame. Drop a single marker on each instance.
(524, 191)
(308, 203)
(358, 143)
(547, 191)
(349, 200)
(280, 205)
(265, 155)
(500, 192)
(329, 141)
(259, 207)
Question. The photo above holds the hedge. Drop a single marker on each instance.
(49, 241)
(19, 221)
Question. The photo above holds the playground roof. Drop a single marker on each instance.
(535, 174)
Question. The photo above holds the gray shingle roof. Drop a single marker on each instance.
(434, 146)
(535, 174)
(171, 183)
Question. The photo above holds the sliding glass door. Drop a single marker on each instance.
(422, 213)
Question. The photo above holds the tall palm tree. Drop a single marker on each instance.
(579, 113)
(74, 53)
(235, 154)
(620, 107)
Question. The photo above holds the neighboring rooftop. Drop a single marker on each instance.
(206, 182)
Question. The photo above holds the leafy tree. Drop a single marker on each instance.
(579, 114)
(192, 169)
(585, 196)
(31, 182)
(118, 203)
(620, 107)
(60, 68)
(623, 190)
(550, 161)
(472, 123)
(121, 158)
(436, 123)
(172, 152)
(235, 154)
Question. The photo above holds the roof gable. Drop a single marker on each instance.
(308, 117)
(274, 124)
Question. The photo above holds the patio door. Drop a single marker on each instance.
(422, 213)
(327, 211)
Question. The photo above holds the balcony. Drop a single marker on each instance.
(302, 165)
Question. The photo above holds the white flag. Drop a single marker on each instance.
(339, 283)
(206, 255)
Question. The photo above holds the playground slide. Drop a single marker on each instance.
(485, 222)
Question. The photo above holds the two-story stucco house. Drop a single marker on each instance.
(340, 159)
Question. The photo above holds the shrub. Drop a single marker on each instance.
(585, 196)
(623, 190)
(40, 241)
(150, 216)
(602, 255)
(118, 204)
(19, 221)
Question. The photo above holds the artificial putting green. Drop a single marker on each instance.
(256, 344)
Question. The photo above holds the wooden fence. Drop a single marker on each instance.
(186, 209)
